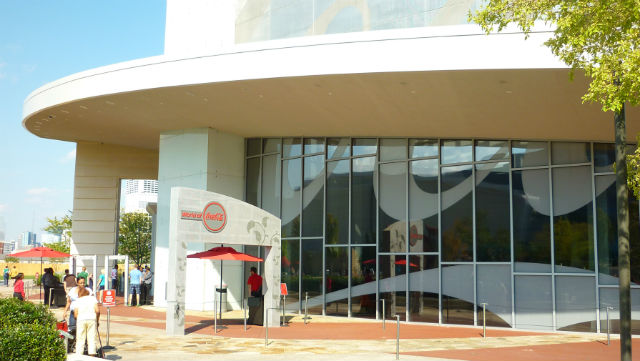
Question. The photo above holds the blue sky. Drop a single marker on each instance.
(41, 41)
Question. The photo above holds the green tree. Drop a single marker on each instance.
(60, 227)
(601, 39)
(135, 237)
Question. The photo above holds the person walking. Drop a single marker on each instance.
(72, 297)
(13, 273)
(101, 284)
(18, 287)
(147, 278)
(69, 281)
(87, 315)
(84, 274)
(6, 275)
(49, 281)
(114, 278)
(135, 278)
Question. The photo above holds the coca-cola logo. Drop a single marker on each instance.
(213, 217)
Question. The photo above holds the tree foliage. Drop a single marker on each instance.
(602, 38)
(135, 237)
(60, 227)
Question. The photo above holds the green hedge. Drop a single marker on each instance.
(28, 332)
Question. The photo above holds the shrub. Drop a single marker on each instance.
(14, 312)
(26, 342)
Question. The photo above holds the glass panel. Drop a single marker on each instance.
(271, 184)
(253, 251)
(253, 181)
(364, 146)
(271, 145)
(576, 303)
(338, 202)
(573, 219)
(610, 297)
(312, 274)
(419, 148)
(363, 201)
(570, 153)
(337, 281)
(457, 225)
(290, 264)
(457, 294)
(292, 147)
(531, 229)
(313, 145)
(494, 289)
(492, 212)
(529, 154)
(456, 151)
(393, 284)
(363, 281)
(393, 207)
(492, 150)
(604, 155)
(253, 146)
(423, 288)
(313, 196)
(423, 206)
(607, 228)
(534, 309)
(338, 148)
(291, 179)
(393, 149)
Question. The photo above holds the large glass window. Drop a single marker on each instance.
(534, 304)
(393, 207)
(363, 281)
(457, 203)
(531, 228)
(393, 284)
(253, 181)
(492, 150)
(338, 148)
(570, 153)
(337, 280)
(291, 187)
(337, 202)
(364, 146)
(271, 184)
(423, 206)
(456, 151)
(604, 155)
(419, 148)
(363, 201)
(313, 196)
(494, 289)
(573, 219)
(312, 274)
(290, 264)
(576, 303)
(313, 145)
(457, 294)
(529, 154)
(292, 147)
(492, 212)
(423, 288)
(393, 149)
(253, 146)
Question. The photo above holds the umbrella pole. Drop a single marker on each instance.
(220, 290)
(40, 278)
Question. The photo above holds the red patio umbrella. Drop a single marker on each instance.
(224, 254)
(40, 252)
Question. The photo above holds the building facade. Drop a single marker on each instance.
(138, 193)
(419, 166)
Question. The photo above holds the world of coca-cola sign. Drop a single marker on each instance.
(213, 216)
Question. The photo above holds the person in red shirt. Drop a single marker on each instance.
(255, 283)
(18, 287)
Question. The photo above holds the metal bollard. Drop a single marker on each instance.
(397, 337)
(608, 326)
(384, 327)
(306, 308)
(283, 317)
(244, 312)
(484, 320)
(215, 313)
(266, 333)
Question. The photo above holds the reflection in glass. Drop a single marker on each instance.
(534, 307)
(423, 206)
(529, 154)
(573, 219)
(423, 288)
(313, 145)
(610, 297)
(570, 153)
(364, 146)
(363, 201)
(456, 151)
(604, 155)
(337, 281)
(312, 274)
(393, 195)
(607, 228)
(492, 150)
(531, 229)
(363, 281)
(492, 212)
(457, 224)
(271, 145)
(576, 303)
(419, 148)
(393, 149)
(338, 148)
(494, 289)
(292, 147)
(337, 202)
(253, 146)
(290, 274)
(253, 180)
(291, 186)
(271, 184)
(312, 196)
(457, 294)
(393, 284)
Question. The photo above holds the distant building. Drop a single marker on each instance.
(27, 239)
(138, 193)
(8, 247)
(49, 238)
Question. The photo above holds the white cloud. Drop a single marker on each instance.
(69, 157)
(38, 191)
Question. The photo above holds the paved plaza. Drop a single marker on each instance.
(137, 333)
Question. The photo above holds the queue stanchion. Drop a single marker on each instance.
(108, 301)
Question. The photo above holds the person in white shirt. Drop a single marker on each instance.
(72, 296)
(87, 316)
